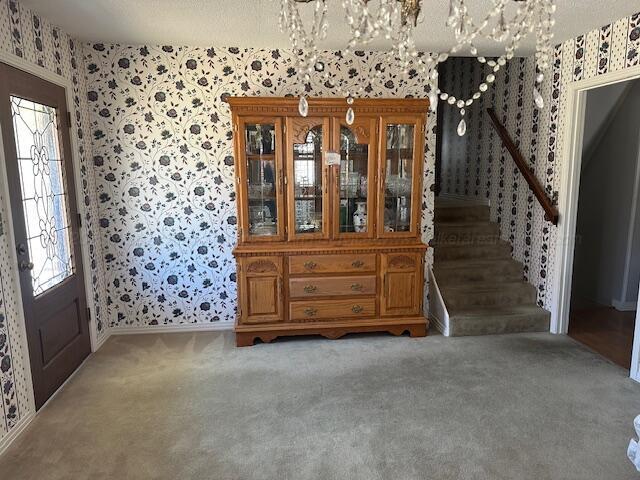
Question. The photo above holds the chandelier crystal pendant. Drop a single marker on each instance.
(396, 20)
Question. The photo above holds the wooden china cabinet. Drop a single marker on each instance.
(329, 217)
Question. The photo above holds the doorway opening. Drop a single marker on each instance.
(606, 256)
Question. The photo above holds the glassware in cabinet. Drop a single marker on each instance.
(307, 141)
(400, 178)
(354, 188)
(260, 178)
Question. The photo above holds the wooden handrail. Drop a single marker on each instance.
(551, 213)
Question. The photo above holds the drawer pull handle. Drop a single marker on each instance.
(310, 288)
(356, 309)
(310, 312)
(357, 264)
(310, 265)
(356, 287)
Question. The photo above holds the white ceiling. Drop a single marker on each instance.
(254, 23)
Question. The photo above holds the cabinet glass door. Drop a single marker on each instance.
(261, 180)
(354, 184)
(400, 187)
(307, 141)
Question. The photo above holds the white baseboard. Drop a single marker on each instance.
(624, 306)
(437, 308)
(438, 324)
(101, 341)
(9, 438)
(177, 328)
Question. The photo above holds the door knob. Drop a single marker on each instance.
(24, 265)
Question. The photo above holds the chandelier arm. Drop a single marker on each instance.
(397, 19)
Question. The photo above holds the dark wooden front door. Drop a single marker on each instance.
(37, 150)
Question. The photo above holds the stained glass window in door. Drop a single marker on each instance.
(44, 193)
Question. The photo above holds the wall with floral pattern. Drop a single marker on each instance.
(480, 166)
(26, 35)
(163, 156)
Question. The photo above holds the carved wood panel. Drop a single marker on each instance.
(262, 266)
(301, 126)
(361, 129)
(402, 262)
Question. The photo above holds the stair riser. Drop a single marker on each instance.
(462, 252)
(517, 294)
(459, 327)
(486, 234)
(478, 228)
(466, 238)
(462, 275)
(462, 214)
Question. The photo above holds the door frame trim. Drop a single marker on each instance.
(44, 74)
(568, 202)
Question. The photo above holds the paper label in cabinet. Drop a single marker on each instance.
(332, 158)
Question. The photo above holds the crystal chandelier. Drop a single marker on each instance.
(396, 20)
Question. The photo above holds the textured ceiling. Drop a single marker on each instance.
(254, 23)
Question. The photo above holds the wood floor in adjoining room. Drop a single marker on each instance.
(605, 330)
(366, 407)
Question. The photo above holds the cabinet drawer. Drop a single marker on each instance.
(310, 264)
(332, 286)
(329, 309)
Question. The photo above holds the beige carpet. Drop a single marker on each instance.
(192, 406)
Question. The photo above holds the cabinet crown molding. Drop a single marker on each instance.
(285, 106)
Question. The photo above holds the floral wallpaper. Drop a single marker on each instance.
(26, 35)
(163, 157)
(479, 168)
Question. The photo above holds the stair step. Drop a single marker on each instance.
(465, 271)
(498, 250)
(483, 287)
(459, 213)
(466, 233)
(495, 320)
(488, 294)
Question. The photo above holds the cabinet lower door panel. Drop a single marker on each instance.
(400, 294)
(401, 284)
(263, 297)
(261, 291)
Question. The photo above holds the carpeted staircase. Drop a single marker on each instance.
(483, 288)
